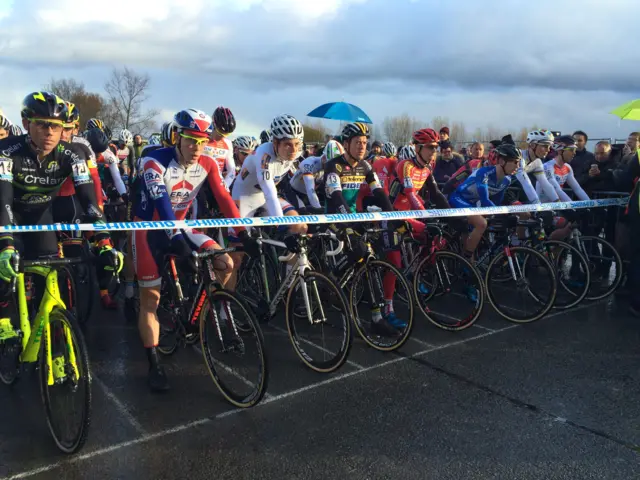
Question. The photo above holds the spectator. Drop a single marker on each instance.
(631, 148)
(447, 163)
(137, 145)
(376, 149)
(444, 134)
(593, 178)
(477, 152)
(583, 159)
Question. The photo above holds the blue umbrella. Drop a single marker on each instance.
(340, 111)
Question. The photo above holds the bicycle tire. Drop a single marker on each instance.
(239, 400)
(354, 300)
(575, 254)
(619, 267)
(470, 320)
(82, 360)
(168, 335)
(528, 252)
(340, 357)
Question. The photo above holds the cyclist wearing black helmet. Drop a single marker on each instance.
(219, 147)
(32, 169)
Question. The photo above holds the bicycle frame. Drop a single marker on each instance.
(32, 334)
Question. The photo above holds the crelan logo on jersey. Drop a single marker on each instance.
(52, 167)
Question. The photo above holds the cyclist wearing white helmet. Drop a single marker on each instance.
(256, 185)
(242, 148)
(5, 125)
(123, 140)
(389, 150)
(303, 183)
(540, 142)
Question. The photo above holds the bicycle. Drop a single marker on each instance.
(506, 266)
(204, 308)
(58, 350)
(78, 282)
(368, 276)
(436, 271)
(318, 293)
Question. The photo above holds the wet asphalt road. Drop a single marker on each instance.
(556, 399)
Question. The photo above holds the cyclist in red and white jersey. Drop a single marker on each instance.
(220, 147)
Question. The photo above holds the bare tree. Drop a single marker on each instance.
(127, 91)
(314, 132)
(458, 132)
(398, 130)
(89, 105)
(438, 122)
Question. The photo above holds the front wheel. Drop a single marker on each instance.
(65, 381)
(530, 291)
(235, 357)
(322, 336)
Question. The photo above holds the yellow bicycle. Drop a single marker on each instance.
(53, 342)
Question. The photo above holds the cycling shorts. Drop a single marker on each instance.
(457, 202)
(149, 246)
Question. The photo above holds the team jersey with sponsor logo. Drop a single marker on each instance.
(482, 188)
(67, 189)
(260, 174)
(559, 176)
(167, 189)
(222, 152)
(342, 183)
(28, 185)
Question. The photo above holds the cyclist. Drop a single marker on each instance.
(303, 183)
(385, 169)
(242, 148)
(389, 150)
(171, 180)
(219, 147)
(559, 173)
(486, 188)
(124, 151)
(32, 169)
(539, 144)
(343, 177)
(15, 130)
(5, 125)
(265, 136)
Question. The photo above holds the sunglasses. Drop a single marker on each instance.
(197, 140)
(54, 125)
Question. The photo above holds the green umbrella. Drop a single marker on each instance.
(628, 111)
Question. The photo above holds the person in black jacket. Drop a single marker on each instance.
(583, 159)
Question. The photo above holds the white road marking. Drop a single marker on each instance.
(276, 398)
(120, 406)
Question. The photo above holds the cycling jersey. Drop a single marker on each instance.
(461, 175)
(342, 182)
(481, 189)
(67, 189)
(558, 176)
(535, 168)
(304, 182)
(28, 185)
(256, 184)
(222, 152)
(168, 188)
(410, 180)
(385, 169)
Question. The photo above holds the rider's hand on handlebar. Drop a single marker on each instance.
(181, 248)
(6, 264)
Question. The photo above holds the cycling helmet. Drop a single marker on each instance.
(507, 150)
(389, 150)
(154, 139)
(97, 139)
(44, 105)
(15, 131)
(196, 122)
(265, 136)
(426, 136)
(564, 142)
(245, 144)
(166, 134)
(286, 126)
(125, 137)
(95, 123)
(4, 122)
(408, 152)
(333, 149)
(223, 121)
(356, 129)
(540, 137)
(73, 117)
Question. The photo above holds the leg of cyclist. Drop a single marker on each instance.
(146, 245)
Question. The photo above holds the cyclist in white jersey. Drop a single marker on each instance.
(540, 142)
(256, 185)
(303, 182)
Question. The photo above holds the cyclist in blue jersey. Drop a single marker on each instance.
(485, 188)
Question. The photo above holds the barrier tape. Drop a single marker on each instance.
(318, 219)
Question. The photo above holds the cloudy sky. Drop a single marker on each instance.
(560, 64)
